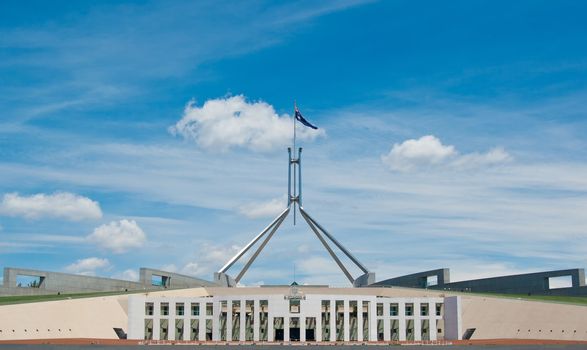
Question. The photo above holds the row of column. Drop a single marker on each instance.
(387, 318)
(372, 318)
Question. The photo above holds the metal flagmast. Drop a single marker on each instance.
(293, 160)
(294, 201)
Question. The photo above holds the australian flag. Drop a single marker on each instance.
(303, 120)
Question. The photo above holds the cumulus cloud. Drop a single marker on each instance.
(263, 209)
(59, 205)
(428, 151)
(224, 123)
(118, 236)
(88, 266)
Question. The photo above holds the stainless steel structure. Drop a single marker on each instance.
(294, 202)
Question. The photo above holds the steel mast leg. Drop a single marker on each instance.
(224, 279)
(363, 280)
(261, 247)
(332, 254)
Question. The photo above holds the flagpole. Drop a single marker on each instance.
(294, 128)
(294, 164)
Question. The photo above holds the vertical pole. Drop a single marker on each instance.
(294, 189)
(289, 177)
(294, 127)
(294, 163)
(300, 176)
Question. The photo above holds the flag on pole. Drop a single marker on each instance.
(303, 120)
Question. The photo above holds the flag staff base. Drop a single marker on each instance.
(294, 203)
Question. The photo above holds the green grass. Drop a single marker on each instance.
(546, 298)
(20, 299)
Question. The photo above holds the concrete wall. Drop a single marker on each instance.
(530, 283)
(57, 282)
(172, 280)
(417, 280)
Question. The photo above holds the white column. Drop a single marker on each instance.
(302, 329)
(417, 321)
(171, 322)
(270, 327)
(359, 320)
(215, 321)
(202, 322)
(332, 320)
(346, 322)
(373, 320)
(432, 328)
(386, 323)
(156, 328)
(229, 320)
(256, 320)
(402, 320)
(156, 319)
(136, 317)
(241, 336)
(318, 330)
(453, 328)
(187, 325)
(286, 329)
(431, 320)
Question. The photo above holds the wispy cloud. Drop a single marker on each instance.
(265, 209)
(428, 152)
(108, 53)
(208, 258)
(127, 275)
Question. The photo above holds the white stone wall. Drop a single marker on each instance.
(278, 306)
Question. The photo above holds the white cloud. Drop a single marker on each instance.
(168, 268)
(264, 209)
(474, 160)
(428, 151)
(60, 205)
(118, 236)
(127, 275)
(224, 123)
(193, 269)
(88, 266)
(208, 259)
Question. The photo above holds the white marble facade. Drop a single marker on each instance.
(291, 317)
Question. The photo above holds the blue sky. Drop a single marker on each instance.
(154, 134)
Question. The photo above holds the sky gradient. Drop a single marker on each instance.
(154, 133)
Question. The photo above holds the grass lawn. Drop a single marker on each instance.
(20, 299)
(546, 298)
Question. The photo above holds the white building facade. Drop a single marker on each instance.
(293, 317)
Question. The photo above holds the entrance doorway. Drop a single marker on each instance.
(294, 329)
